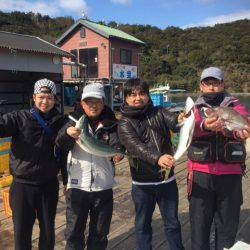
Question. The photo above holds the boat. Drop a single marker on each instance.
(160, 97)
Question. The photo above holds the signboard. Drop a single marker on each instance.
(121, 71)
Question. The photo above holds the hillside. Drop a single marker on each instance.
(171, 55)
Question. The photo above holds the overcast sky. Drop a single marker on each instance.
(161, 13)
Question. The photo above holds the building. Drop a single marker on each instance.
(110, 55)
(23, 60)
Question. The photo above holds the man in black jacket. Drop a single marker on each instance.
(144, 131)
(34, 166)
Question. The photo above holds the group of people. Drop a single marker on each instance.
(45, 142)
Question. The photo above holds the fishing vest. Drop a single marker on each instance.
(217, 147)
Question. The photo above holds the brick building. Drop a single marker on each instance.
(109, 54)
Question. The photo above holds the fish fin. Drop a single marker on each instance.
(166, 172)
(78, 123)
(72, 118)
(99, 126)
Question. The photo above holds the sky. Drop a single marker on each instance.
(160, 13)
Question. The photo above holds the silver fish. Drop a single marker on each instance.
(232, 119)
(186, 134)
(91, 144)
(187, 130)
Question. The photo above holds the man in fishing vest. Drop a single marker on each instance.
(215, 160)
(34, 166)
(90, 177)
(145, 132)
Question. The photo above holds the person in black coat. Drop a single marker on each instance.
(34, 166)
(145, 132)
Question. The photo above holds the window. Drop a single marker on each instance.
(82, 33)
(74, 73)
(89, 57)
(126, 56)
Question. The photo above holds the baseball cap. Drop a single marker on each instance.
(44, 83)
(95, 90)
(212, 72)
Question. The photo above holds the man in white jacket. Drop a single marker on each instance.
(90, 177)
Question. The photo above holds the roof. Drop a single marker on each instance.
(29, 43)
(103, 30)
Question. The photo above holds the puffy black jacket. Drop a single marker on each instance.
(32, 158)
(146, 136)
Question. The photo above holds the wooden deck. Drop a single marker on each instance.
(122, 227)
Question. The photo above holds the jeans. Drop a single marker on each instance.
(145, 199)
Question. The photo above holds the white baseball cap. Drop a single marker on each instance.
(95, 90)
(212, 72)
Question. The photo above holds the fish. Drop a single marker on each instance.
(187, 130)
(90, 144)
(186, 134)
(231, 118)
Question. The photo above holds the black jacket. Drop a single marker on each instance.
(32, 158)
(108, 133)
(146, 136)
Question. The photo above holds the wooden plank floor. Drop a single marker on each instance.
(122, 227)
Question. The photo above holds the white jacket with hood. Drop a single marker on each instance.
(87, 171)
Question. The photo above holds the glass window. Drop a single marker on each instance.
(126, 56)
(89, 57)
(74, 72)
(82, 32)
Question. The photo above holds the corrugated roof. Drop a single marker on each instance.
(103, 30)
(28, 43)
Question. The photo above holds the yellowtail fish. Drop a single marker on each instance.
(90, 144)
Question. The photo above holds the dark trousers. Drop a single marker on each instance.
(145, 199)
(218, 198)
(29, 202)
(80, 204)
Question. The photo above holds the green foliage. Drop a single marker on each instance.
(35, 24)
(178, 56)
(113, 24)
(170, 55)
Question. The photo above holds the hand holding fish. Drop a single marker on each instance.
(244, 133)
(181, 117)
(166, 161)
(213, 124)
(231, 118)
(88, 142)
(73, 132)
